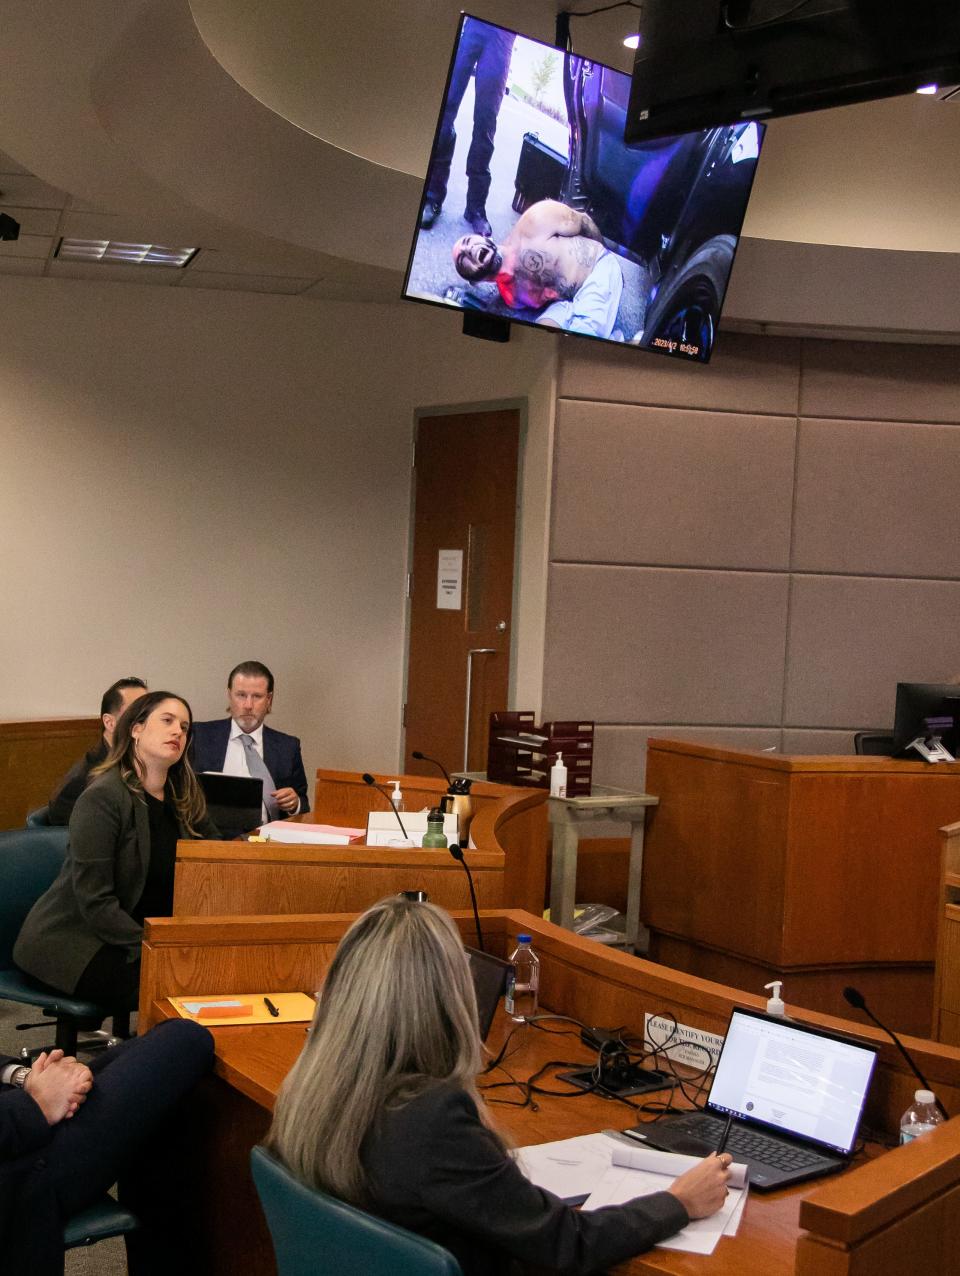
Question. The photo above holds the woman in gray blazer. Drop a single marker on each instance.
(83, 936)
(382, 1110)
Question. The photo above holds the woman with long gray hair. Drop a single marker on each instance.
(381, 1110)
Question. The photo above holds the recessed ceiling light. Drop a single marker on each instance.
(114, 250)
(632, 41)
(928, 88)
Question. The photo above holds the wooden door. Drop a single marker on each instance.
(458, 671)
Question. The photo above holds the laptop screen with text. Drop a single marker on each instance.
(793, 1079)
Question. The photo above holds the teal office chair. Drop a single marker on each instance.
(30, 859)
(98, 1223)
(40, 819)
(317, 1235)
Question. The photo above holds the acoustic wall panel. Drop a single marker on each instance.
(852, 639)
(672, 607)
(620, 753)
(630, 645)
(880, 381)
(802, 740)
(746, 374)
(671, 487)
(870, 496)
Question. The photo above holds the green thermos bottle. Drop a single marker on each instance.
(435, 836)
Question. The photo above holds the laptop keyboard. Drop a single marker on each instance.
(749, 1143)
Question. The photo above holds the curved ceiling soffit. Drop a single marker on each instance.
(49, 124)
(187, 124)
(367, 76)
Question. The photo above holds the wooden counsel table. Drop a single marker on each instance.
(896, 1214)
(508, 866)
(821, 871)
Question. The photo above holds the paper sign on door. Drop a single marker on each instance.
(449, 579)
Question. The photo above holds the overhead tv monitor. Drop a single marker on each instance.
(705, 62)
(535, 210)
(926, 710)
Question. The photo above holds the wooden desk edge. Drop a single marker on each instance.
(331, 856)
(850, 1207)
(799, 763)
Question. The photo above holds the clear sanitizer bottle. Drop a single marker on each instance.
(523, 981)
(921, 1116)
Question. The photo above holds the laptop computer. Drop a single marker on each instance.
(234, 802)
(796, 1095)
(489, 980)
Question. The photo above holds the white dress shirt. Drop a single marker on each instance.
(235, 762)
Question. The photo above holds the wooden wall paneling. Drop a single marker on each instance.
(946, 982)
(34, 755)
(833, 882)
(864, 861)
(216, 878)
(715, 851)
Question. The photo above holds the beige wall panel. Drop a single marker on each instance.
(747, 374)
(628, 644)
(853, 639)
(662, 486)
(870, 497)
(881, 381)
(620, 753)
(193, 478)
(797, 740)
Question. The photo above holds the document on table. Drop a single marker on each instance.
(639, 1171)
(569, 1168)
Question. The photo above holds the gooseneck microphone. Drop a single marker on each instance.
(422, 757)
(368, 779)
(456, 850)
(854, 997)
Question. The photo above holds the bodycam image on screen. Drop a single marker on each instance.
(534, 209)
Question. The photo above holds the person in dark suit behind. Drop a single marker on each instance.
(242, 745)
(68, 1131)
(83, 935)
(414, 1143)
(114, 701)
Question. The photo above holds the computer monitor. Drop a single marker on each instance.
(926, 709)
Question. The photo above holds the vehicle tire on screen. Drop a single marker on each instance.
(687, 304)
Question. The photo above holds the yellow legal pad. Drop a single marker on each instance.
(221, 1009)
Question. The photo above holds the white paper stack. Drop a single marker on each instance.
(638, 1171)
(600, 1169)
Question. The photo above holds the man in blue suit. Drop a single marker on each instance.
(242, 745)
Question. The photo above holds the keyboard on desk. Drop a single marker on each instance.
(773, 1162)
(752, 1145)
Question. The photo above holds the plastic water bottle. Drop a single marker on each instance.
(523, 981)
(921, 1116)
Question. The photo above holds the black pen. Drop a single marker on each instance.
(722, 1145)
(271, 1007)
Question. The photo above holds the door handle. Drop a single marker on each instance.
(474, 651)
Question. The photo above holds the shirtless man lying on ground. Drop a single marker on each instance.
(552, 261)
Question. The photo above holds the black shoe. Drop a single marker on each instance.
(431, 211)
(476, 219)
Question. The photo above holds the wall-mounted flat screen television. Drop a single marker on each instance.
(535, 210)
